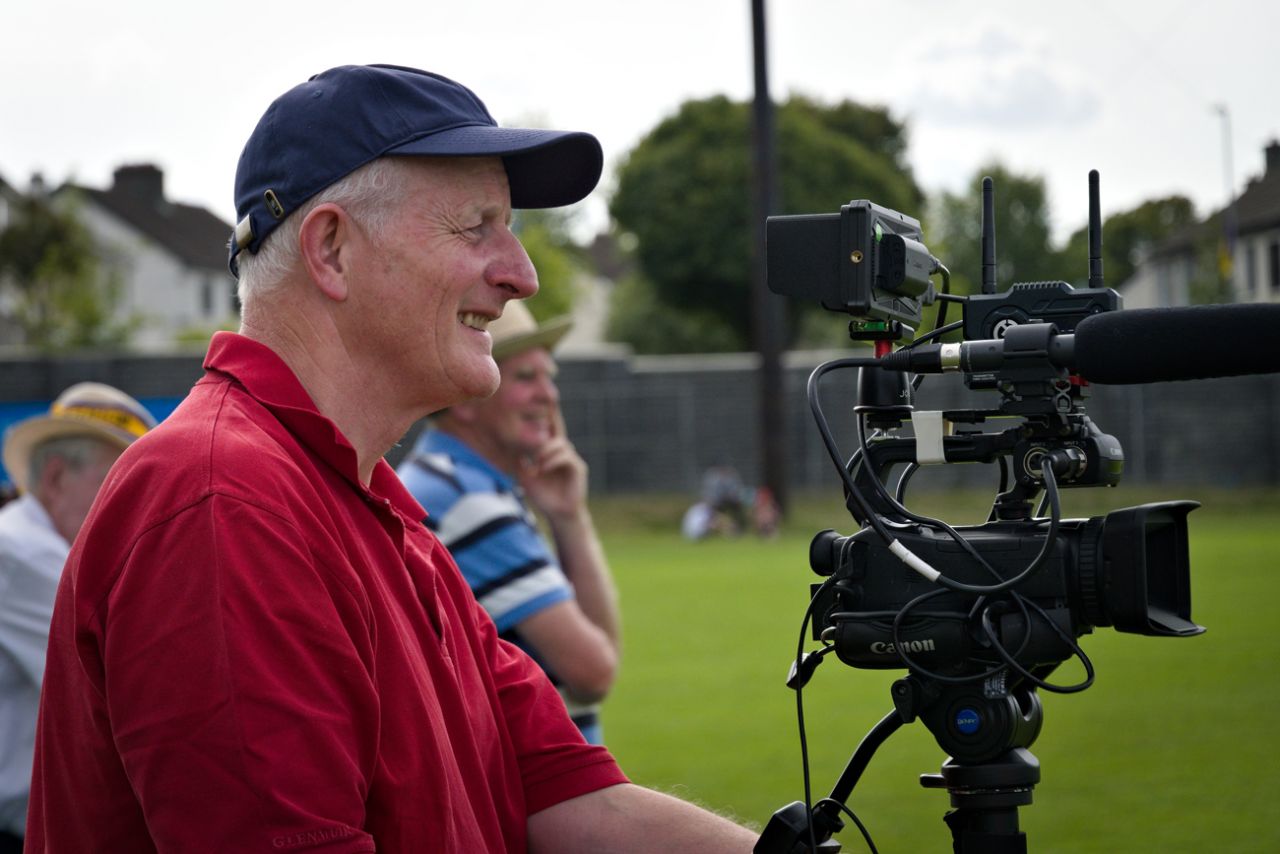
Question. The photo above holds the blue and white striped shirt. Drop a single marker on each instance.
(479, 514)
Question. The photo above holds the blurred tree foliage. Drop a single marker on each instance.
(545, 235)
(1024, 252)
(684, 193)
(638, 317)
(63, 298)
(1126, 236)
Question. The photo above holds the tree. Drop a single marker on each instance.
(1125, 237)
(684, 193)
(638, 317)
(63, 298)
(1024, 252)
(545, 235)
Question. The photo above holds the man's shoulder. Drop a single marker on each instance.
(438, 476)
(12, 518)
(219, 441)
(434, 465)
(27, 538)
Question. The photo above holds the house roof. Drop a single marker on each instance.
(1258, 207)
(193, 234)
(8, 190)
(1187, 239)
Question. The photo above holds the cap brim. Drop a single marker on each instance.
(546, 168)
(546, 335)
(23, 437)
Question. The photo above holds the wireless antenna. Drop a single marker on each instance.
(988, 236)
(1095, 232)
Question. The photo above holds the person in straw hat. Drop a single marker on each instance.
(258, 645)
(58, 461)
(473, 470)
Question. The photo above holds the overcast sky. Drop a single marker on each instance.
(1127, 87)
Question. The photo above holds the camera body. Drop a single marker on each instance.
(1127, 570)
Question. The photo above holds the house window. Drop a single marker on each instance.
(206, 297)
(1164, 288)
(1273, 272)
(1250, 270)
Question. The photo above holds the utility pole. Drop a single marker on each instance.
(768, 310)
(1226, 259)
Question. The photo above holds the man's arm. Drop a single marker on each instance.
(579, 640)
(27, 592)
(632, 818)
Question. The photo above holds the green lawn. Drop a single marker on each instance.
(1171, 750)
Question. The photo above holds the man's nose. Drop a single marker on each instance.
(512, 270)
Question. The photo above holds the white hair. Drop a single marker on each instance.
(371, 194)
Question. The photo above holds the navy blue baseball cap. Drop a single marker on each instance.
(323, 130)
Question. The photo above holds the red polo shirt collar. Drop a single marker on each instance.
(270, 381)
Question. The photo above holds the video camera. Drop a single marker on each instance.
(980, 616)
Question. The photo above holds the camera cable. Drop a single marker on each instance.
(893, 544)
(989, 630)
(801, 671)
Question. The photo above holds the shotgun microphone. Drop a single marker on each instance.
(1128, 347)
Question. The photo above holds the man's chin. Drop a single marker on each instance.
(481, 384)
(538, 441)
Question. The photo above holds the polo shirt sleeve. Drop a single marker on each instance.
(276, 742)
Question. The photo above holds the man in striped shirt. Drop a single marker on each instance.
(480, 472)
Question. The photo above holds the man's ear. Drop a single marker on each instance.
(324, 244)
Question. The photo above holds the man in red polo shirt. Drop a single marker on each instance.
(257, 646)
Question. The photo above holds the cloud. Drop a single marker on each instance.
(990, 78)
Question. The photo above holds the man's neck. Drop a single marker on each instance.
(354, 397)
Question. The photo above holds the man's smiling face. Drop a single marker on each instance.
(445, 266)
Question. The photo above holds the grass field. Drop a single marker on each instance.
(1173, 749)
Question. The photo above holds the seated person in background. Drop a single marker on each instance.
(473, 471)
(58, 462)
(722, 490)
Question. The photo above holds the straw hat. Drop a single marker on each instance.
(517, 331)
(85, 409)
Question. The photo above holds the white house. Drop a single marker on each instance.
(170, 257)
(1166, 275)
(1255, 271)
